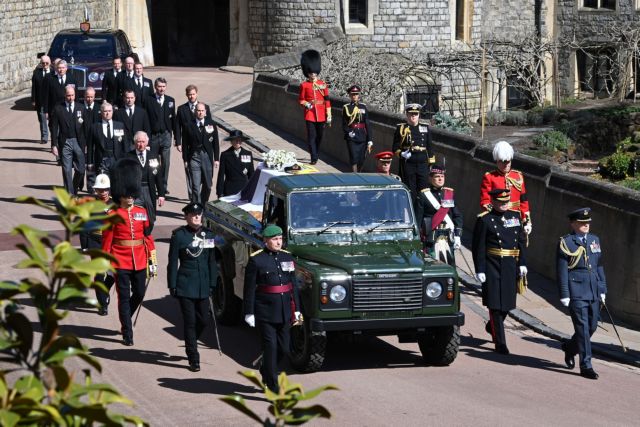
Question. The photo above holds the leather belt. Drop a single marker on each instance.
(357, 126)
(268, 289)
(503, 252)
(418, 148)
(129, 243)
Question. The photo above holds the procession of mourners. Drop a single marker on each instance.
(119, 149)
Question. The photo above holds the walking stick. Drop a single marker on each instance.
(614, 327)
(466, 262)
(146, 285)
(215, 325)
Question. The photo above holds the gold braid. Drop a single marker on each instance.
(356, 113)
(515, 182)
(405, 132)
(575, 256)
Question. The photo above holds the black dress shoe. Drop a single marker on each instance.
(194, 367)
(128, 341)
(313, 162)
(103, 311)
(589, 373)
(569, 359)
(487, 327)
(502, 349)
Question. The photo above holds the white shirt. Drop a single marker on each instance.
(132, 108)
(104, 127)
(192, 107)
(160, 99)
(69, 106)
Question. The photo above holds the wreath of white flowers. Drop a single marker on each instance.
(279, 159)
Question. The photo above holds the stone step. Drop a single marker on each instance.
(584, 163)
(582, 171)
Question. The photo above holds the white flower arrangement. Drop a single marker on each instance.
(279, 159)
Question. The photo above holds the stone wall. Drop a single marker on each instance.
(28, 28)
(552, 193)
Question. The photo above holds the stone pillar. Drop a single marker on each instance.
(240, 52)
(132, 16)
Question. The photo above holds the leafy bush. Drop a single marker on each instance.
(515, 118)
(549, 114)
(616, 165)
(567, 127)
(534, 117)
(552, 140)
(48, 394)
(494, 118)
(632, 183)
(446, 121)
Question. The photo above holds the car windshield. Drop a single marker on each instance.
(83, 46)
(336, 211)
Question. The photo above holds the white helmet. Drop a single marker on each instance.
(102, 182)
(502, 151)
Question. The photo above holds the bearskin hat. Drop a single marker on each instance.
(310, 62)
(126, 179)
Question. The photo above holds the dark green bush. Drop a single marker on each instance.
(534, 117)
(549, 114)
(446, 121)
(494, 118)
(616, 165)
(632, 183)
(515, 118)
(552, 140)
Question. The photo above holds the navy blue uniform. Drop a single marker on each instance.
(414, 172)
(273, 310)
(356, 129)
(581, 278)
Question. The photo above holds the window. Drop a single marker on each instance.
(461, 19)
(594, 71)
(358, 12)
(428, 96)
(357, 15)
(599, 4)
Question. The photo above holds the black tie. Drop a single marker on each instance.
(129, 111)
(139, 83)
(69, 108)
(108, 131)
(200, 127)
(141, 155)
(89, 110)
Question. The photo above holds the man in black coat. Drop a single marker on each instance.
(106, 142)
(271, 301)
(110, 81)
(202, 151)
(236, 166)
(356, 129)
(68, 140)
(139, 84)
(499, 244)
(162, 116)
(152, 184)
(134, 118)
(53, 90)
(125, 79)
(42, 72)
(192, 275)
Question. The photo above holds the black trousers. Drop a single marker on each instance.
(130, 286)
(195, 316)
(315, 130)
(496, 324)
(275, 347)
(415, 176)
(102, 296)
(584, 315)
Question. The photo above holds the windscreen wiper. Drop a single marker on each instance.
(333, 224)
(382, 222)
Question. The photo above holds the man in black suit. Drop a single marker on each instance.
(151, 176)
(236, 166)
(53, 90)
(141, 86)
(106, 142)
(110, 89)
(135, 119)
(203, 153)
(42, 72)
(68, 140)
(93, 116)
(184, 117)
(162, 116)
(125, 79)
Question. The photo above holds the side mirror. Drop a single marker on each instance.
(39, 55)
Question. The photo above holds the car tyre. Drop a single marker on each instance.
(308, 348)
(227, 307)
(439, 345)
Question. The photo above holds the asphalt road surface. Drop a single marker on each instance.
(381, 381)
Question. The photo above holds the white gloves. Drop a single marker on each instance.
(329, 120)
(298, 315)
(308, 106)
(523, 270)
(406, 154)
(370, 144)
(528, 227)
(603, 297)
(565, 301)
(481, 277)
(250, 319)
(153, 270)
(456, 243)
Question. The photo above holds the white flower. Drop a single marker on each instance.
(279, 159)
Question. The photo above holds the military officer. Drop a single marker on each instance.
(505, 177)
(582, 286)
(412, 144)
(314, 98)
(357, 132)
(439, 217)
(192, 275)
(383, 164)
(271, 301)
(499, 257)
(93, 240)
(236, 166)
(130, 243)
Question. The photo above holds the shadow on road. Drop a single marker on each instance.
(93, 333)
(41, 148)
(23, 104)
(128, 354)
(22, 160)
(204, 385)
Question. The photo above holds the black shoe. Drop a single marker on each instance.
(487, 327)
(589, 373)
(43, 142)
(128, 341)
(166, 192)
(194, 367)
(502, 349)
(313, 162)
(103, 310)
(569, 359)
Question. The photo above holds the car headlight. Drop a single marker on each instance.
(338, 293)
(434, 290)
(93, 77)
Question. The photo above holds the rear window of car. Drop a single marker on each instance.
(83, 46)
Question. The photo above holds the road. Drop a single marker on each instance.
(381, 381)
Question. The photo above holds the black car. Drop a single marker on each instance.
(89, 54)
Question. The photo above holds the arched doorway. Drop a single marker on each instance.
(190, 32)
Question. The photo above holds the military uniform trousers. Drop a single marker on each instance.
(195, 315)
(275, 348)
(315, 130)
(161, 144)
(584, 315)
(73, 165)
(201, 176)
(130, 286)
(415, 176)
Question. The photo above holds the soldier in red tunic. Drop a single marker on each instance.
(507, 178)
(314, 98)
(130, 244)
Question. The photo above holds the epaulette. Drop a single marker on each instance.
(285, 251)
(420, 122)
(401, 124)
(256, 252)
(481, 214)
(424, 190)
(448, 188)
(516, 171)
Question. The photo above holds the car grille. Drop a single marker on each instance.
(371, 293)
(80, 74)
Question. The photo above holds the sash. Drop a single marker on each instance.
(442, 213)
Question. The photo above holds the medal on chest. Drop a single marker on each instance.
(447, 203)
(594, 247)
(287, 266)
(511, 222)
(139, 216)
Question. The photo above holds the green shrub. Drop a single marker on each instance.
(515, 118)
(446, 121)
(616, 165)
(494, 118)
(534, 117)
(567, 127)
(549, 114)
(552, 140)
(632, 183)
